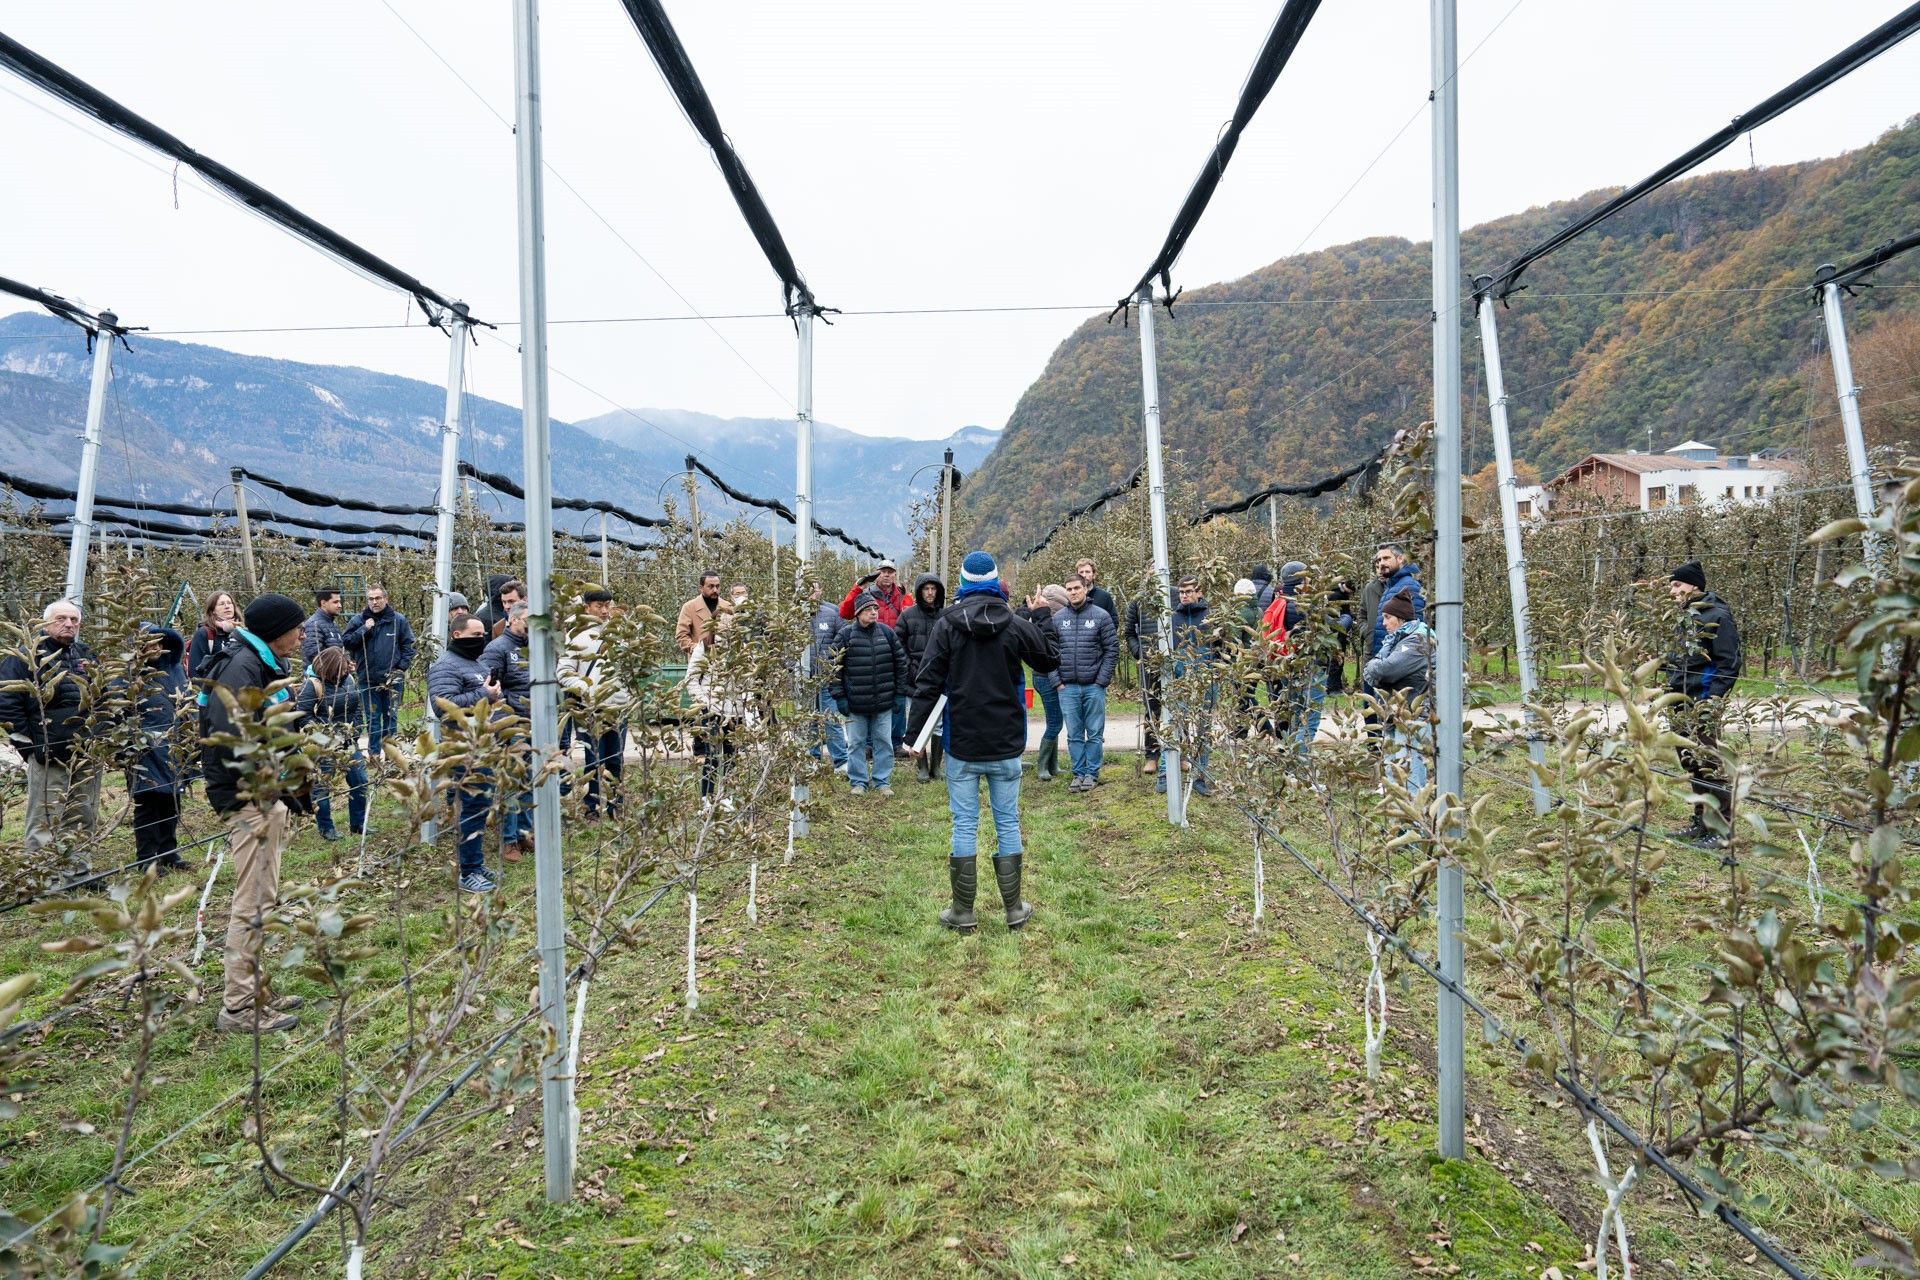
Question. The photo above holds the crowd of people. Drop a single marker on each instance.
(900, 676)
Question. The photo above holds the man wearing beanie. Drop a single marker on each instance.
(1703, 665)
(869, 675)
(261, 655)
(974, 657)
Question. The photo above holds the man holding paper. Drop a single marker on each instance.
(972, 664)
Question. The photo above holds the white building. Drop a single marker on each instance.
(1687, 475)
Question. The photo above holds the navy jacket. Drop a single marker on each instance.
(386, 652)
(1405, 581)
(452, 678)
(320, 632)
(163, 691)
(1706, 658)
(505, 659)
(1089, 644)
(43, 722)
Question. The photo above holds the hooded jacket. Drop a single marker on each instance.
(505, 659)
(1195, 642)
(320, 632)
(246, 663)
(163, 690)
(871, 668)
(1089, 644)
(1404, 581)
(42, 721)
(915, 627)
(1706, 657)
(1263, 588)
(1403, 663)
(384, 653)
(1142, 631)
(974, 657)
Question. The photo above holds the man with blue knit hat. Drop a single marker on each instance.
(974, 657)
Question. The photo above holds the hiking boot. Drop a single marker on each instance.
(243, 1022)
(1007, 871)
(884, 789)
(1049, 763)
(511, 852)
(328, 833)
(962, 875)
(286, 1004)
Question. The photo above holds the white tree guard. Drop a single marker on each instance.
(753, 886)
(356, 1259)
(1815, 889)
(1374, 993)
(693, 929)
(1259, 880)
(1611, 1214)
(200, 915)
(573, 1069)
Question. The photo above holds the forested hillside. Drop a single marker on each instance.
(1686, 316)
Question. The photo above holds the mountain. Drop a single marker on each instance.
(1688, 315)
(849, 470)
(179, 415)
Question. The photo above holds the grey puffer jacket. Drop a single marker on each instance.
(459, 680)
(1403, 662)
(1089, 644)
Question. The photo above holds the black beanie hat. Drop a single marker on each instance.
(1692, 574)
(272, 615)
(1261, 573)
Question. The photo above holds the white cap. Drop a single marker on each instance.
(1244, 587)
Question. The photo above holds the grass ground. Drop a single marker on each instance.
(1138, 1085)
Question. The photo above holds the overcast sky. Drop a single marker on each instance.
(915, 154)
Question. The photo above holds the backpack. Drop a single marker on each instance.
(1274, 622)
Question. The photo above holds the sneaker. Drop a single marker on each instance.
(1692, 831)
(841, 768)
(242, 1023)
(329, 834)
(884, 789)
(1708, 840)
(857, 790)
(478, 882)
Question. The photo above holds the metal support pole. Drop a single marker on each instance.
(246, 529)
(1273, 529)
(797, 824)
(82, 535)
(606, 557)
(1162, 570)
(693, 506)
(773, 540)
(946, 516)
(1510, 528)
(1856, 439)
(457, 330)
(1449, 649)
(549, 870)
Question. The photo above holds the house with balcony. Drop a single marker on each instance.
(1687, 475)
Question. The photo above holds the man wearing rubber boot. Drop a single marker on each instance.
(914, 630)
(974, 658)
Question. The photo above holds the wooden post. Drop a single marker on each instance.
(246, 530)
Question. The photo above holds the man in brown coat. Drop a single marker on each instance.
(698, 614)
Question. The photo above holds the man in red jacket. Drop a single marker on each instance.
(884, 586)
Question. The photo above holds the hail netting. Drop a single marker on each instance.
(54, 493)
(779, 508)
(60, 307)
(1281, 41)
(1870, 262)
(1850, 59)
(503, 484)
(650, 19)
(77, 93)
(314, 498)
(1368, 469)
(1088, 508)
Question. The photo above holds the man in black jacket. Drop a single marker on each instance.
(261, 656)
(381, 641)
(323, 628)
(506, 660)
(43, 703)
(1704, 664)
(869, 673)
(974, 658)
(916, 627)
(1143, 642)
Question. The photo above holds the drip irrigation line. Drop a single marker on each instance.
(1848, 60)
(77, 93)
(1644, 1151)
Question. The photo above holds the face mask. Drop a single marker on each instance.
(468, 646)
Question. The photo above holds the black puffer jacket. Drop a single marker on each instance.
(870, 670)
(916, 620)
(1706, 658)
(241, 665)
(974, 657)
(41, 721)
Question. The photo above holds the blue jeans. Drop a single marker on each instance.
(476, 799)
(383, 716)
(1411, 754)
(1050, 700)
(1086, 714)
(605, 752)
(1003, 794)
(516, 822)
(356, 772)
(1306, 707)
(872, 732)
(836, 737)
(900, 722)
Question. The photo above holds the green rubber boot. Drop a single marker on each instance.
(1007, 871)
(963, 875)
(1049, 764)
